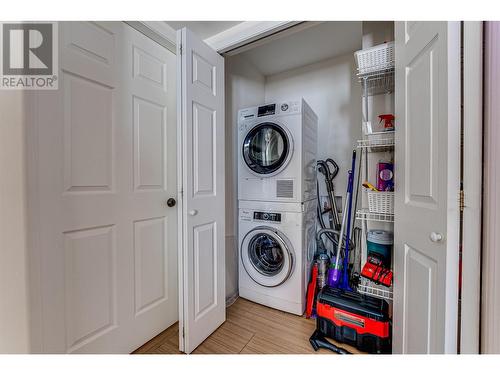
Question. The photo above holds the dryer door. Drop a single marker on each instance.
(267, 256)
(267, 148)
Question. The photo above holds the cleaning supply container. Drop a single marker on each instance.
(379, 244)
(381, 202)
(330, 281)
(323, 262)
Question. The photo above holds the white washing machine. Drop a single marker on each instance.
(277, 145)
(276, 249)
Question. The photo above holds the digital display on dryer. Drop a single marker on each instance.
(267, 216)
(266, 110)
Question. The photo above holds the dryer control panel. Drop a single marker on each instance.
(272, 109)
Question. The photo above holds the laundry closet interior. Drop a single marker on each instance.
(316, 64)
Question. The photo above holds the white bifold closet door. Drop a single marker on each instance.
(427, 161)
(105, 162)
(200, 77)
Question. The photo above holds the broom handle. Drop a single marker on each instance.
(342, 228)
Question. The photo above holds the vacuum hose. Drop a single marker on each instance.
(331, 232)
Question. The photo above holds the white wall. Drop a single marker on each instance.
(244, 88)
(14, 322)
(331, 89)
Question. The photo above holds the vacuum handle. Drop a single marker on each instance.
(318, 341)
(335, 166)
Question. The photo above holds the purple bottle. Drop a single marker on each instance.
(330, 280)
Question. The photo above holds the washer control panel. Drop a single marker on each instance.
(250, 215)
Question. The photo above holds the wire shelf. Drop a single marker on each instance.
(378, 142)
(377, 82)
(366, 215)
(370, 288)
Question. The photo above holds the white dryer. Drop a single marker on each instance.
(277, 145)
(276, 249)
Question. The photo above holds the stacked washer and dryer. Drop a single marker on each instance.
(277, 203)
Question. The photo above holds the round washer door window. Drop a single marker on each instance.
(266, 256)
(267, 148)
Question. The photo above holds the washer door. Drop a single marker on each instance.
(267, 256)
(267, 148)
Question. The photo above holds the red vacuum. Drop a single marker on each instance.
(354, 319)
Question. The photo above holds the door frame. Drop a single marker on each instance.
(180, 201)
(490, 301)
(158, 31)
(237, 39)
(33, 216)
(472, 186)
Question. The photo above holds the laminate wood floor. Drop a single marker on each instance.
(249, 328)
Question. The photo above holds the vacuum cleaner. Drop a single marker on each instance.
(323, 167)
(351, 318)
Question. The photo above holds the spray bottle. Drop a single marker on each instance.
(388, 120)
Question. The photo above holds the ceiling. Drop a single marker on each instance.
(204, 29)
(320, 42)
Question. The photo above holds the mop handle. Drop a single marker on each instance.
(345, 277)
(348, 230)
(350, 188)
(344, 219)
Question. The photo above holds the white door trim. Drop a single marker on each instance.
(15, 319)
(246, 32)
(490, 299)
(158, 31)
(472, 186)
(34, 260)
(180, 201)
(237, 39)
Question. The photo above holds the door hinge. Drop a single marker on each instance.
(461, 200)
(180, 49)
(183, 334)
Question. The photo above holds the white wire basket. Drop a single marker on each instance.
(378, 82)
(378, 142)
(372, 289)
(376, 58)
(381, 202)
(366, 215)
